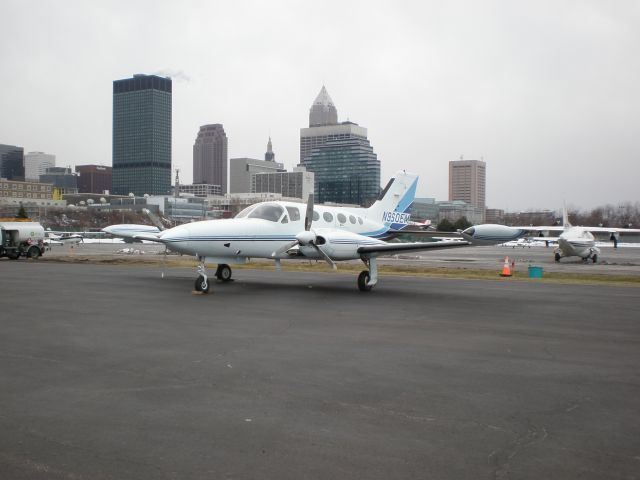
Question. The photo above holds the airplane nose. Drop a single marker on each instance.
(176, 234)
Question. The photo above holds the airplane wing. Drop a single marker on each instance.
(558, 228)
(392, 248)
(611, 230)
(132, 232)
(547, 228)
(149, 238)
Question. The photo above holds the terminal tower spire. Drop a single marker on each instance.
(269, 156)
(323, 111)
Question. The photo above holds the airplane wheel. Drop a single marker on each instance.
(557, 257)
(594, 258)
(223, 273)
(363, 278)
(202, 285)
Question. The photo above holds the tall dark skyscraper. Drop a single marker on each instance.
(11, 162)
(210, 156)
(339, 154)
(142, 135)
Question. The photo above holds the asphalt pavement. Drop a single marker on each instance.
(110, 372)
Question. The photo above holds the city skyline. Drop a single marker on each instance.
(546, 93)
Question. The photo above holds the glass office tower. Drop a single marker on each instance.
(346, 171)
(142, 135)
(11, 162)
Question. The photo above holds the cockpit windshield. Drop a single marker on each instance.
(267, 211)
(244, 212)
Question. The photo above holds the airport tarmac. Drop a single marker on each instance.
(112, 372)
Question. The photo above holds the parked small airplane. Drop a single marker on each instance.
(285, 230)
(572, 242)
(60, 238)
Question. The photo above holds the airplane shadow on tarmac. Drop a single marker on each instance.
(342, 286)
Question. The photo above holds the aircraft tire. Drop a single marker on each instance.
(223, 273)
(202, 285)
(363, 278)
(33, 252)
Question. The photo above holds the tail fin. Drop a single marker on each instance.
(394, 203)
(565, 216)
(154, 218)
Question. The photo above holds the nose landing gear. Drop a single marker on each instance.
(202, 282)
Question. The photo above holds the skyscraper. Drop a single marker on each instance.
(339, 154)
(323, 111)
(142, 135)
(346, 171)
(467, 182)
(36, 164)
(11, 162)
(210, 156)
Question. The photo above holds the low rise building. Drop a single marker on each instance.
(296, 184)
(241, 169)
(201, 189)
(94, 179)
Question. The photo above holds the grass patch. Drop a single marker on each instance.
(173, 261)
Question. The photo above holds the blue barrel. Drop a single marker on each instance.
(535, 272)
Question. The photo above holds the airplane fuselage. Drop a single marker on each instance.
(260, 233)
(577, 242)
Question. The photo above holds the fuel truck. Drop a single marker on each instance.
(21, 239)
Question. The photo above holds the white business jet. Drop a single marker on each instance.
(286, 230)
(572, 242)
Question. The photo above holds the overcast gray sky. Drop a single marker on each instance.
(547, 92)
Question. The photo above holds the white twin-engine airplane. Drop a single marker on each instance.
(572, 242)
(286, 230)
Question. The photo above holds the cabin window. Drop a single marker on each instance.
(294, 213)
(352, 219)
(341, 218)
(267, 211)
(327, 217)
(244, 212)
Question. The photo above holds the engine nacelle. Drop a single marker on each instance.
(491, 234)
(342, 245)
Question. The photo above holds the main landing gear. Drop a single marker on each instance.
(223, 273)
(368, 278)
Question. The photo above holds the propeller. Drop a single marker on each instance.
(307, 238)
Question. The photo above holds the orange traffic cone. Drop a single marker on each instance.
(506, 272)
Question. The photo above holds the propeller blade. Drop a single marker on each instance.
(326, 257)
(283, 249)
(309, 215)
